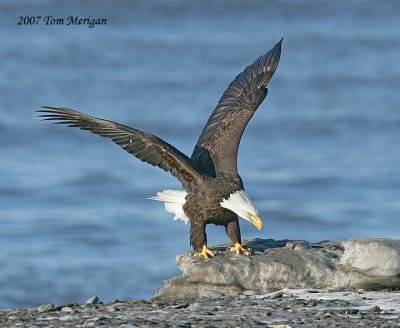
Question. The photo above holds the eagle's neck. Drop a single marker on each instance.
(239, 202)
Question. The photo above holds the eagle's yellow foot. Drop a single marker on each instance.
(238, 248)
(205, 252)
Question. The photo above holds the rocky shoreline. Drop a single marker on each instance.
(282, 284)
(286, 308)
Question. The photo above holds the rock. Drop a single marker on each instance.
(208, 293)
(364, 263)
(249, 292)
(98, 318)
(297, 245)
(66, 309)
(375, 309)
(352, 311)
(93, 300)
(181, 288)
(376, 257)
(181, 305)
(111, 309)
(45, 308)
(275, 295)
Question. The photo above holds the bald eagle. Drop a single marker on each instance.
(213, 191)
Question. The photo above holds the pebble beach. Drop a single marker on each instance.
(281, 309)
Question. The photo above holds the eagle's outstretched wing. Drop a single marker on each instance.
(217, 147)
(146, 147)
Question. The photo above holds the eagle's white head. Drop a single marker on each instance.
(239, 202)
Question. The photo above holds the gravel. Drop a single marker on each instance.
(293, 309)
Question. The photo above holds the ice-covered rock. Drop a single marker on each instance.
(357, 263)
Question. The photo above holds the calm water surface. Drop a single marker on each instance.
(320, 158)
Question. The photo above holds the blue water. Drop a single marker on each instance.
(320, 158)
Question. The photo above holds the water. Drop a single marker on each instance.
(320, 158)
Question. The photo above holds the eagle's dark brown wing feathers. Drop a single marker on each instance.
(146, 147)
(217, 147)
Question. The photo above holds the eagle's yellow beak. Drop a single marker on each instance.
(256, 221)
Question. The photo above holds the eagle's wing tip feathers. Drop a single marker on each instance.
(49, 113)
(47, 108)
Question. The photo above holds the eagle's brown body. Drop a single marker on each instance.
(216, 190)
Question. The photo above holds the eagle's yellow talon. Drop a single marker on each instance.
(239, 248)
(205, 252)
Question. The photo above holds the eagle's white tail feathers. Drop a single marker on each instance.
(173, 203)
